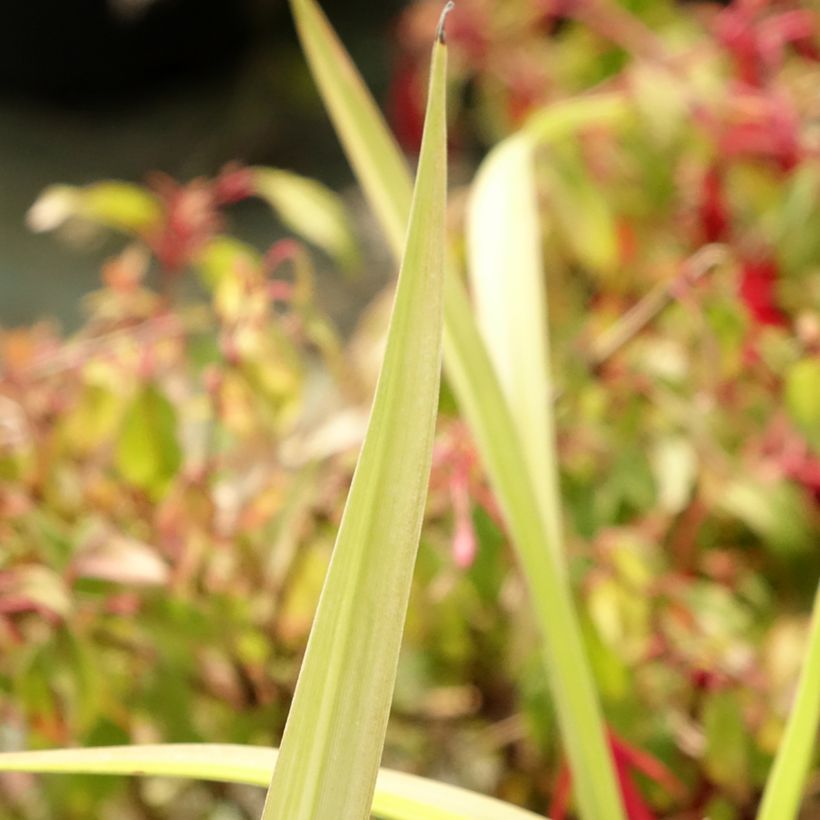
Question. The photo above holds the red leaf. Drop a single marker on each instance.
(757, 290)
(714, 218)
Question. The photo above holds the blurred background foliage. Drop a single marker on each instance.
(172, 469)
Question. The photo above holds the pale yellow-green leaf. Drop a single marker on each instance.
(565, 117)
(398, 796)
(122, 206)
(787, 780)
(507, 277)
(802, 392)
(309, 209)
(148, 453)
(378, 164)
(334, 735)
(223, 257)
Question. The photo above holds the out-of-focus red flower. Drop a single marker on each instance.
(757, 290)
(627, 242)
(405, 104)
(757, 43)
(712, 212)
(763, 126)
(233, 184)
(464, 538)
(191, 219)
(467, 30)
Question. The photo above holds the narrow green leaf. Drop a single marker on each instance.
(370, 147)
(398, 796)
(787, 779)
(335, 730)
(148, 453)
(507, 277)
(309, 209)
(376, 159)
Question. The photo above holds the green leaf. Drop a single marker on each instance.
(581, 211)
(148, 453)
(398, 796)
(727, 755)
(309, 209)
(774, 511)
(378, 164)
(335, 731)
(784, 787)
(118, 205)
(803, 398)
(369, 145)
(222, 256)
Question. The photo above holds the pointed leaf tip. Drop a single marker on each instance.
(440, 34)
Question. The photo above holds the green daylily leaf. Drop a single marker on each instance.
(398, 796)
(334, 735)
(379, 166)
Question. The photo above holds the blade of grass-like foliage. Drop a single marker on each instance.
(371, 149)
(507, 277)
(334, 734)
(787, 779)
(372, 152)
(398, 796)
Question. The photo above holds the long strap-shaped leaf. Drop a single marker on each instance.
(334, 734)
(787, 779)
(376, 160)
(507, 277)
(398, 796)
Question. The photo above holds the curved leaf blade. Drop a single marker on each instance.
(398, 796)
(508, 285)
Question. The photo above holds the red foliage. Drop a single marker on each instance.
(757, 290)
(405, 107)
(713, 213)
(627, 759)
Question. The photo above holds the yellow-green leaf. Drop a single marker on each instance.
(398, 796)
(803, 398)
(507, 278)
(122, 206)
(378, 164)
(335, 731)
(148, 452)
(222, 257)
(784, 787)
(309, 209)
